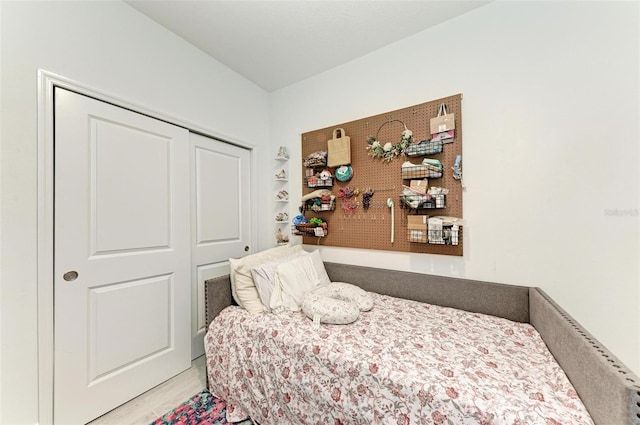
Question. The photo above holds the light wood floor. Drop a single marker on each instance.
(145, 408)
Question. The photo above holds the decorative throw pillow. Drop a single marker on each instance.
(347, 292)
(323, 309)
(294, 279)
(242, 287)
(264, 276)
(323, 277)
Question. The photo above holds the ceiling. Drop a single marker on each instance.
(277, 43)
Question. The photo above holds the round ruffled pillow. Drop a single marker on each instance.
(323, 309)
(346, 292)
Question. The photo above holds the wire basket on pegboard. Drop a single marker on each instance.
(324, 203)
(422, 201)
(416, 199)
(424, 147)
(316, 160)
(447, 235)
(420, 171)
(310, 229)
(316, 181)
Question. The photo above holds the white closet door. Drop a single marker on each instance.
(122, 255)
(221, 217)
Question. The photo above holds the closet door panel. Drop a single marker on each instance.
(221, 217)
(122, 277)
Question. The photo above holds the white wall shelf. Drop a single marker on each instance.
(281, 197)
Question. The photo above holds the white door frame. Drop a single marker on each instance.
(47, 81)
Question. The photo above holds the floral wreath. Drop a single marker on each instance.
(388, 151)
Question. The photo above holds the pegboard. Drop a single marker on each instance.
(371, 229)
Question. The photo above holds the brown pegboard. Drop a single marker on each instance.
(371, 229)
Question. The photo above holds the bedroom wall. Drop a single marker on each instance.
(550, 156)
(112, 48)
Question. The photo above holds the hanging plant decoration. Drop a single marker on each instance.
(387, 151)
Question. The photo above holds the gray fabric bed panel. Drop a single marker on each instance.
(507, 301)
(609, 390)
(217, 296)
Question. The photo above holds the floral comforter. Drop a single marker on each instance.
(404, 362)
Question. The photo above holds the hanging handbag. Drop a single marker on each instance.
(339, 149)
(444, 121)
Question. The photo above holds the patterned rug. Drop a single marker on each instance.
(201, 409)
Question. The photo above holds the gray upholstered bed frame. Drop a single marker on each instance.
(609, 390)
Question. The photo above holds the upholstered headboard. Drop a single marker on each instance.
(609, 390)
(217, 296)
(507, 301)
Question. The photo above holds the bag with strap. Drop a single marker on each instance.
(339, 149)
(444, 121)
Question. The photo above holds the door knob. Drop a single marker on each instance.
(246, 249)
(70, 276)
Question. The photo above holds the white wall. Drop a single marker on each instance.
(113, 48)
(550, 117)
(544, 169)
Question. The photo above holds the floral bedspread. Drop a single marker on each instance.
(404, 362)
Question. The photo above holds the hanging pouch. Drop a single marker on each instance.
(443, 122)
(339, 149)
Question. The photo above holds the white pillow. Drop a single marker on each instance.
(323, 277)
(294, 279)
(242, 287)
(323, 309)
(347, 292)
(264, 276)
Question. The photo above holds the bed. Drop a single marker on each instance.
(432, 350)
